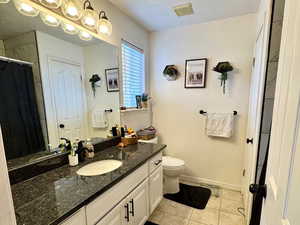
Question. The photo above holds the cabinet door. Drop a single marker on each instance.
(155, 188)
(77, 218)
(139, 204)
(117, 216)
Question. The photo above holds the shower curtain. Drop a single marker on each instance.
(19, 118)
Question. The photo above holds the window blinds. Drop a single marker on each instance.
(133, 73)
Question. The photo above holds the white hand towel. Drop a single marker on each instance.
(219, 125)
(99, 119)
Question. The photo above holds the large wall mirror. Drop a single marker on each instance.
(66, 88)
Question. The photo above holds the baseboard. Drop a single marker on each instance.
(210, 182)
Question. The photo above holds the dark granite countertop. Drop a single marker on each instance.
(51, 197)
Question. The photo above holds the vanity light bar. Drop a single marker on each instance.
(63, 20)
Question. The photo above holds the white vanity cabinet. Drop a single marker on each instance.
(155, 188)
(133, 210)
(129, 202)
(139, 204)
(77, 218)
(116, 216)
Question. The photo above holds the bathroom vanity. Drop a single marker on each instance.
(127, 195)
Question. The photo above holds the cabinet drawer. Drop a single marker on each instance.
(105, 202)
(77, 218)
(155, 162)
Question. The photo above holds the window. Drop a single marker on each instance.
(133, 73)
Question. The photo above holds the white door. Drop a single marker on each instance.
(7, 213)
(155, 188)
(67, 94)
(281, 206)
(139, 204)
(255, 109)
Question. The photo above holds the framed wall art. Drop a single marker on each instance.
(195, 73)
(112, 79)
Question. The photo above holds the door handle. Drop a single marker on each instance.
(249, 140)
(127, 212)
(258, 189)
(132, 207)
(61, 125)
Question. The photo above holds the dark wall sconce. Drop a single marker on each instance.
(170, 72)
(93, 80)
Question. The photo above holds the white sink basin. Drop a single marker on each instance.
(100, 167)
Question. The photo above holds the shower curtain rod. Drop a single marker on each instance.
(15, 60)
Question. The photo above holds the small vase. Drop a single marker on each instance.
(73, 160)
(144, 104)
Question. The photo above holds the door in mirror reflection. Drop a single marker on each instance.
(67, 94)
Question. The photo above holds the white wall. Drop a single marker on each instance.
(126, 28)
(176, 109)
(98, 58)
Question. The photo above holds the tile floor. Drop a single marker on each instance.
(219, 211)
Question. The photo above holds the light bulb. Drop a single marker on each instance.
(68, 28)
(25, 8)
(4, 1)
(90, 21)
(53, 4)
(72, 9)
(104, 26)
(89, 18)
(49, 20)
(83, 35)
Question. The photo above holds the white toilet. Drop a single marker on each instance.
(172, 169)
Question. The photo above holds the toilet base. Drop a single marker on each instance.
(171, 185)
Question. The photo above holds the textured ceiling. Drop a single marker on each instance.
(158, 14)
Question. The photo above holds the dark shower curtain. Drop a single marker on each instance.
(19, 117)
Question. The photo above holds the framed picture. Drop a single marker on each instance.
(112, 79)
(195, 73)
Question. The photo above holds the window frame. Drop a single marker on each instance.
(134, 46)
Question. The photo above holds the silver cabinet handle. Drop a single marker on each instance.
(157, 162)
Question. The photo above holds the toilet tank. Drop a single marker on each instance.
(153, 140)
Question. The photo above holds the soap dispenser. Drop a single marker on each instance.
(90, 153)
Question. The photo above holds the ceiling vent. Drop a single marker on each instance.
(184, 10)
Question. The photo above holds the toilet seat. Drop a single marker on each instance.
(169, 162)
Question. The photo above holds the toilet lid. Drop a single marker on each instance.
(170, 161)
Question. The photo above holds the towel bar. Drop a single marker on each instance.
(202, 112)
